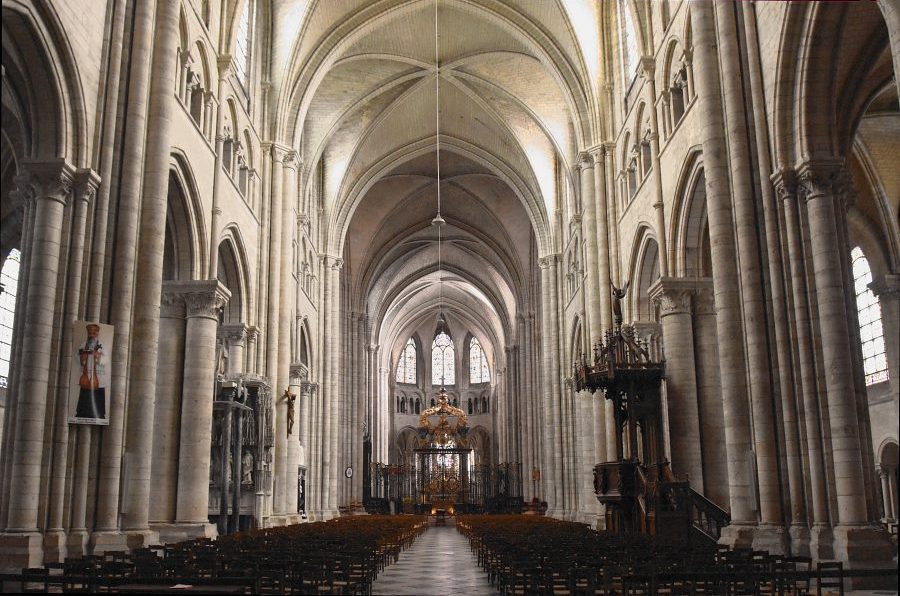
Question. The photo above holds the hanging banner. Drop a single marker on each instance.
(89, 382)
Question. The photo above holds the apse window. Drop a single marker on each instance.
(9, 279)
(406, 367)
(443, 371)
(478, 367)
(871, 332)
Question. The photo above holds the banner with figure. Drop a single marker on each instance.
(92, 345)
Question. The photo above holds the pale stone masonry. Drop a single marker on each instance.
(245, 191)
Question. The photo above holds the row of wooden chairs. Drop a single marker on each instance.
(341, 556)
(538, 555)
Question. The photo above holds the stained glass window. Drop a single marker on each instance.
(406, 368)
(9, 279)
(443, 371)
(870, 330)
(242, 47)
(478, 366)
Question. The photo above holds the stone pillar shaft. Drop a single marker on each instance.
(726, 280)
(50, 184)
(674, 299)
(827, 259)
(203, 300)
(167, 416)
(143, 365)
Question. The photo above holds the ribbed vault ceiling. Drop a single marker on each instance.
(357, 94)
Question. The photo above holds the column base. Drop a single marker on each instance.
(865, 547)
(20, 550)
(554, 512)
(737, 535)
(77, 543)
(104, 541)
(821, 543)
(181, 531)
(771, 538)
(798, 540)
(108, 541)
(55, 548)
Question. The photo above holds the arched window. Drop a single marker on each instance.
(9, 279)
(478, 366)
(443, 371)
(406, 368)
(242, 47)
(630, 53)
(870, 330)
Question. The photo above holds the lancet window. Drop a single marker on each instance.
(406, 367)
(871, 331)
(478, 366)
(443, 370)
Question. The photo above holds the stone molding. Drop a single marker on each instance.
(886, 287)
(332, 262)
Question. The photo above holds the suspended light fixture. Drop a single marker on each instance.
(438, 221)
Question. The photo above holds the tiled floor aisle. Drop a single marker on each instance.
(439, 562)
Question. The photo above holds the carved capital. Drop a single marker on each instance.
(202, 298)
(171, 304)
(584, 161)
(87, 181)
(785, 183)
(819, 178)
(291, 160)
(299, 373)
(674, 295)
(648, 65)
(224, 63)
(332, 262)
(252, 334)
(50, 179)
(234, 334)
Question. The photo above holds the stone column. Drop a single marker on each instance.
(648, 63)
(709, 390)
(123, 266)
(252, 348)
(770, 535)
(817, 186)
(819, 538)
(224, 63)
(726, 280)
(595, 305)
(167, 416)
(86, 183)
(673, 295)
(886, 499)
(550, 414)
(235, 338)
(203, 300)
(331, 400)
(298, 376)
(48, 185)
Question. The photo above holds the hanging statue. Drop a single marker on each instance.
(618, 294)
(290, 398)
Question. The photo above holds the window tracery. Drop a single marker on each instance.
(478, 366)
(9, 279)
(871, 331)
(406, 367)
(443, 371)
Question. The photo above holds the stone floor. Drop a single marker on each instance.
(439, 563)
